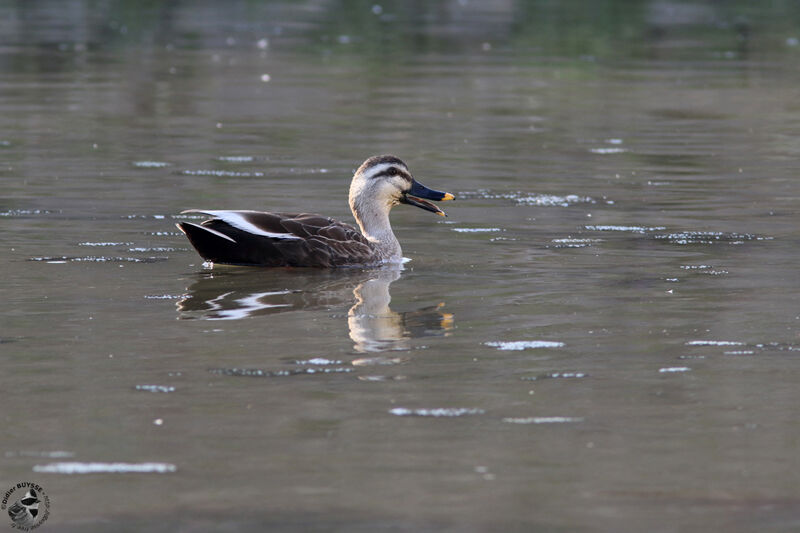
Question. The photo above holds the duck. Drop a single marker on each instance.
(259, 238)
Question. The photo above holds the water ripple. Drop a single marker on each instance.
(155, 388)
(556, 375)
(105, 468)
(530, 199)
(437, 412)
(543, 420)
(523, 345)
(261, 373)
(708, 237)
(97, 259)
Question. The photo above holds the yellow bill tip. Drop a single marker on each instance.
(448, 196)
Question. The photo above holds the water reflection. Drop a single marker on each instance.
(373, 325)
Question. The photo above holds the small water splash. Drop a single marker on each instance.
(104, 468)
(523, 345)
(437, 412)
(163, 296)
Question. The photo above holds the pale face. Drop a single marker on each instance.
(384, 181)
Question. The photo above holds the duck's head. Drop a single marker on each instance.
(385, 181)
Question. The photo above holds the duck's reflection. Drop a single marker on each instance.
(373, 326)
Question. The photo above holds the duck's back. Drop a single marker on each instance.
(278, 239)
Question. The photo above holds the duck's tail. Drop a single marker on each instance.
(211, 244)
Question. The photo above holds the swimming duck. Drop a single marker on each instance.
(307, 240)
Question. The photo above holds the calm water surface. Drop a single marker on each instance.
(602, 335)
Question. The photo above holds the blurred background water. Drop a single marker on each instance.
(602, 336)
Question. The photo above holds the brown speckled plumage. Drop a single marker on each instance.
(324, 242)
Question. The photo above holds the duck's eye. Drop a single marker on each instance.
(392, 171)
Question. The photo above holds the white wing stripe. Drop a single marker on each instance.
(237, 220)
(215, 232)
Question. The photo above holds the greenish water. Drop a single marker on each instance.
(602, 335)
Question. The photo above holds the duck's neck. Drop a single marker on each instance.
(373, 219)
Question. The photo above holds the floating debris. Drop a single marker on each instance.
(523, 345)
(543, 420)
(155, 388)
(105, 468)
(437, 412)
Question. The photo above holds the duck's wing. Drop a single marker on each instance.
(277, 239)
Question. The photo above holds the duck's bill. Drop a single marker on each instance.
(418, 194)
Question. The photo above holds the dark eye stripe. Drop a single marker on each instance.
(393, 171)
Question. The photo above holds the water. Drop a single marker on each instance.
(602, 335)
